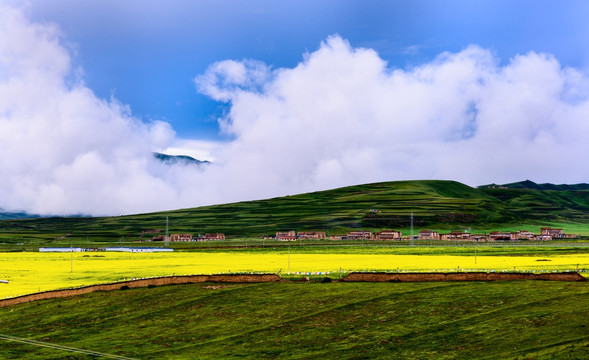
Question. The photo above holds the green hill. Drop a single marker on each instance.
(528, 184)
(435, 204)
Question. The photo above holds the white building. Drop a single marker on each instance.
(64, 249)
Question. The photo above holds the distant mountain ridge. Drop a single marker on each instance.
(179, 159)
(6, 215)
(528, 184)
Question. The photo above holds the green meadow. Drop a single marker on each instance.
(310, 320)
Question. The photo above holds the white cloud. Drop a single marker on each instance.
(198, 149)
(412, 50)
(65, 151)
(342, 116)
(225, 78)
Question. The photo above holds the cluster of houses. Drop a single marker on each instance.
(189, 237)
(118, 248)
(546, 233)
(354, 235)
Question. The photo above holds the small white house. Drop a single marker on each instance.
(64, 249)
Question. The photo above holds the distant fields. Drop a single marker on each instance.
(436, 205)
(30, 272)
(499, 320)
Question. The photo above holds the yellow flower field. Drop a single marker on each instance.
(29, 272)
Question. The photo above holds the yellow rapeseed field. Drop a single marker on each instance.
(29, 272)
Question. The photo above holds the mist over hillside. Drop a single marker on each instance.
(165, 159)
(6, 215)
(179, 159)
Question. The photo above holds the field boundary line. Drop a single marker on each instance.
(476, 317)
(263, 278)
(427, 330)
(313, 314)
(545, 347)
(141, 283)
(62, 347)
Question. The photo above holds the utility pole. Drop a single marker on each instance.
(411, 239)
(167, 239)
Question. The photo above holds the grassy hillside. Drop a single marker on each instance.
(528, 184)
(310, 321)
(442, 205)
(545, 205)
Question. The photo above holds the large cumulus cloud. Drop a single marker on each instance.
(343, 116)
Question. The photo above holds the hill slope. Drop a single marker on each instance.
(435, 204)
(528, 184)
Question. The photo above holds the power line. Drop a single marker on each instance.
(62, 347)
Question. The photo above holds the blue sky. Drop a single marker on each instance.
(283, 97)
(147, 52)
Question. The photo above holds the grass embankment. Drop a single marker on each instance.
(507, 320)
(438, 205)
(34, 272)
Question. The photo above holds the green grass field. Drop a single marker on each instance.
(501, 320)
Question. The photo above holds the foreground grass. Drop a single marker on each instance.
(30, 272)
(502, 320)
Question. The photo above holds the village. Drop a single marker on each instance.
(546, 234)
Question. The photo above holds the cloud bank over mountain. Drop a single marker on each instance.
(342, 116)
(63, 150)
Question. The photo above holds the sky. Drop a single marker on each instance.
(283, 97)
